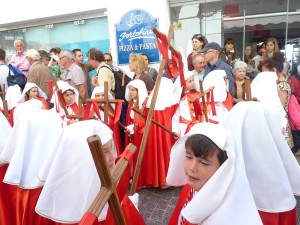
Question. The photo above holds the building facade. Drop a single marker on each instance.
(94, 26)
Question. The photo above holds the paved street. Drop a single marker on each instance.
(156, 205)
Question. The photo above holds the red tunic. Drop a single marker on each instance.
(136, 138)
(26, 200)
(7, 200)
(282, 218)
(17, 205)
(182, 200)
(157, 153)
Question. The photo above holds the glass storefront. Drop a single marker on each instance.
(246, 21)
(68, 35)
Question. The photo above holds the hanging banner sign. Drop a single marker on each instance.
(134, 35)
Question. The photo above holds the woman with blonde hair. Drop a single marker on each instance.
(137, 65)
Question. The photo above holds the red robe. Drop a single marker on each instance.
(17, 205)
(157, 153)
(282, 218)
(7, 200)
(136, 138)
(182, 200)
(26, 200)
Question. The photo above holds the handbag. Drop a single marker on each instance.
(18, 78)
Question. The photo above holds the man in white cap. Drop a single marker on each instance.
(38, 72)
(211, 53)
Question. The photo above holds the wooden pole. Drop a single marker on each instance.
(2, 93)
(203, 101)
(140, 112)
(153, 121)
(106, 102)
(148, 121)
(107, 109)
(5, 105)
(110, 110)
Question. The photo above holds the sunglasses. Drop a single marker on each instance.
(107, 60)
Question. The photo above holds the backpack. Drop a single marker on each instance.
(121, 81)
(17, 78)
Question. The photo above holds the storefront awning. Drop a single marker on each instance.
(174, 3)
(261, 19)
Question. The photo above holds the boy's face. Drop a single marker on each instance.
(110, 155)
(198, 171)
(68, 97)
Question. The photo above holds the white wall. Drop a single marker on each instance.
(116, 9)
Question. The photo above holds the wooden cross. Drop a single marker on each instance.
(149, 117)
(109, 181)
(5, 106)
(106, 102)
(153, 121)
(110, 111)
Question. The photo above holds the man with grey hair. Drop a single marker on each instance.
(72, 73)
(199, 66)
(19, 59)
(38, 72)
